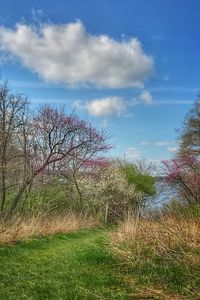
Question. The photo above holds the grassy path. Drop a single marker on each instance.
(72, 266)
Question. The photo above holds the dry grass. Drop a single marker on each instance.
(164, 237)
(162, 256)
(21, 229)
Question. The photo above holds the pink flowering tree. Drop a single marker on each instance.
(57, 140)
(183, 172)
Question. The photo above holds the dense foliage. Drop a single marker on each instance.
(142, 181)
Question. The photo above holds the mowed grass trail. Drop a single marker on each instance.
(70, 266)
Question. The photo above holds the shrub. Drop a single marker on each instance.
(108, 192)
(183, 173)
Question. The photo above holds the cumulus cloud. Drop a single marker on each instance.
(68, 54)
(113, 105)
(146, 97)
(104, 106)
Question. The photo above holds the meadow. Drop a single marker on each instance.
(78, 224)
(134, 260)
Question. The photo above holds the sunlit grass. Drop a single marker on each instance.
(163, 257)
(41, 225)
(70, 266)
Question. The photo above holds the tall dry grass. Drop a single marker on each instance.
(20, 229)
(164, 237)
(163, 256)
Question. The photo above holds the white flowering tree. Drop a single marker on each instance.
(108, 192)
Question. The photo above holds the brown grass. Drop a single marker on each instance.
(163, 237)
(21, 229)
(158, 254)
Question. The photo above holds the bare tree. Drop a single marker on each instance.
(55, 137)
(190, 133)
(41, 144)
(183, 173)
(12, 108)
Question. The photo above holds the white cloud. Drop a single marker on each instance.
(162, 143)
(133, 153)
(104, 106)
(172, 149)
(113, 105)
(146, 97)
(167, 144)
(156, 143)
(68, 54)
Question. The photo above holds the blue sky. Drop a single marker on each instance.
(131, 67)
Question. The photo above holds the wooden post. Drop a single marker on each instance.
(106, 214)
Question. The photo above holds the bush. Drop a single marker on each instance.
(143, 182)
(109, 193)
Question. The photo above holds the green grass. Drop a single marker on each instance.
(169, 275)
(79, 266)
(72, 266)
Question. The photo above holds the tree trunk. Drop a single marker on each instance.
(18, 197)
